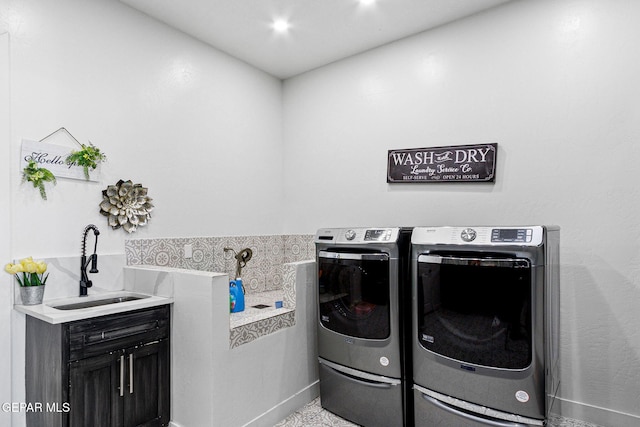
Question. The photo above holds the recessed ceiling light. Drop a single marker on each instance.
(281, 25)
(367, 2)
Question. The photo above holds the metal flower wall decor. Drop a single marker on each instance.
(126, 205)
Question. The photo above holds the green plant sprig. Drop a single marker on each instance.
(88, 157)
(37, 176)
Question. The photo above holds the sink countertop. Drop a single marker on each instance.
(54, 316)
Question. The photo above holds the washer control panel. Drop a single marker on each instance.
(357, 235)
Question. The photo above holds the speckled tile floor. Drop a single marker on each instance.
(312, 415)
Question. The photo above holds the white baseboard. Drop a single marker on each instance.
(594, 414)
(280, 411)
(286, 407)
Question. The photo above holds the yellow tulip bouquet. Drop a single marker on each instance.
(32, 272)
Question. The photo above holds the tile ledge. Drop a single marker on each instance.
(254, 315)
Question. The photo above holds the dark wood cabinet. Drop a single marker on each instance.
(94, 398)
(106, 371)
(147, 368)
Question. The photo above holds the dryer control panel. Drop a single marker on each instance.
(525, 235)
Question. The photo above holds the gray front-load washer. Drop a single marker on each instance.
(361, 294)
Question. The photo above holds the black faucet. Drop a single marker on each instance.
(84, 263)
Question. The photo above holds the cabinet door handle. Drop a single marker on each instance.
(131, 374)
(121, 375)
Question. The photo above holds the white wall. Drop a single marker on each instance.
(200, 129)
(555, 84)
(6, 300)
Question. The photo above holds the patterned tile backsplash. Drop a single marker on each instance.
(263, 272)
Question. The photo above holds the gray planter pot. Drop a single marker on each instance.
(31, 295)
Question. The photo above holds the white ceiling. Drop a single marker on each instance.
(321, 32)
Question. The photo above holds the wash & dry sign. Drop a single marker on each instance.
(462, 163)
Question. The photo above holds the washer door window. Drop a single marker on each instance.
(476, 310)
(354, 293)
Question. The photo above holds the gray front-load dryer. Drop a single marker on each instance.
(485, 325)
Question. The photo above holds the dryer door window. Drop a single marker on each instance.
(476, 310)
(354, 293)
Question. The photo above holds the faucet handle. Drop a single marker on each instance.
(94, 264)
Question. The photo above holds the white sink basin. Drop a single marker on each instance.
(78, 303)
(98, 302)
